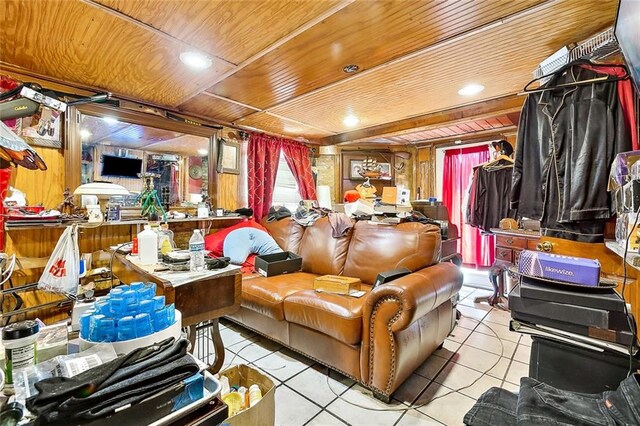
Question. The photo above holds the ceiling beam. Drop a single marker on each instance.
(477, 111)
(467, 137)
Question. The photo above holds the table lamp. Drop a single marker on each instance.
(103, 191)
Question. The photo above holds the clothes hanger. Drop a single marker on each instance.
(499, 158)
(602, 79)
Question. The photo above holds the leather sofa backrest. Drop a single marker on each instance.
(321, 253)
(379, 248)
(287, 233)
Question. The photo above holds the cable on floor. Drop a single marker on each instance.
(415, 407)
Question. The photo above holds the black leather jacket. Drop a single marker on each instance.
(567, 139)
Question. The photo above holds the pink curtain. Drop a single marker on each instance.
(263, 154)
(477, 250)
(297, 157)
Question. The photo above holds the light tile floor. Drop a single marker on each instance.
(304, 395)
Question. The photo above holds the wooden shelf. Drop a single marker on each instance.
(58, 225)
(633, 259)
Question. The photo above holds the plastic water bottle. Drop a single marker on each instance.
(196, 250)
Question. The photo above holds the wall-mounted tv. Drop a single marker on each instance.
(627, 31)
(121, 166)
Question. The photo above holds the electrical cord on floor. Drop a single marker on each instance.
(415, 407)
(236, 354)
(632, 328)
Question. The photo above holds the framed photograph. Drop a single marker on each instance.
(355, 167)
(230, 157)
(385, 171)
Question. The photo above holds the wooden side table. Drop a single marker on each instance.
(200, 296)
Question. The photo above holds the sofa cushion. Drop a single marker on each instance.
(379, 248)
(321, 253)
(287, 233)
(265, 295)
(336, 315)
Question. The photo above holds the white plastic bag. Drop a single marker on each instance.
(62, 271)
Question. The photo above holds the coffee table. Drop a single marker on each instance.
(201, 297)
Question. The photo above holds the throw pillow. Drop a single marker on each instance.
(214, 242)
(240, 243)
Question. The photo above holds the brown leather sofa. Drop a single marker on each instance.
(378, 339)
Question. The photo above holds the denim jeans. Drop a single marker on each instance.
(541, 404)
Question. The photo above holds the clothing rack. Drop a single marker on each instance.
(597, 47)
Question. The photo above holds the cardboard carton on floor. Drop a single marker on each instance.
(264, 412)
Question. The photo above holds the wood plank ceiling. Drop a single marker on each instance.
(278, 64)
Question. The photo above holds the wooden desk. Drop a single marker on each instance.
(200, 297)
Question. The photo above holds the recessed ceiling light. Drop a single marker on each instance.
(471, 89)
(196, 60)
(457, 142)
(350, 120)
(110, 120)
(84, 133)
(203, 152)
(351, 68)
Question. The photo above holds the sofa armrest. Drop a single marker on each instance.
(417, 293)
(391, 309)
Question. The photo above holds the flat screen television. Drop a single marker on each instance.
(627, 31)
(121, 166)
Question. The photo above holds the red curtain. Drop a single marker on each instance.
(477, 250)
(297, 157)
(263, 154)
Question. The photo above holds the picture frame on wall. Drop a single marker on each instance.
(230, 157)
(385, 171)
(355, 167)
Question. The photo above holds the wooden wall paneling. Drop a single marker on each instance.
(228, 186)
(47, 186)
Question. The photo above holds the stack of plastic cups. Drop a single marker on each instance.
(126, 328)
(127, 312)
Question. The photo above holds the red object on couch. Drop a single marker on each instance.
(215, 242)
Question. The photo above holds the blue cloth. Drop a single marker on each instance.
(239, 244)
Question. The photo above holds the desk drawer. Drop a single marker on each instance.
(511, 242)
(504, 254)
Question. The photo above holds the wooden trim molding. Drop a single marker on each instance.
(475, 111)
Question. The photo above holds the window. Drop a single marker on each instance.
(286, 190)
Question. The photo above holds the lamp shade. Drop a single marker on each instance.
(101, 189)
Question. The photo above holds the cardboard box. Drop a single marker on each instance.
(577, 270)
(389, 195)
(336, 284)
(269, 265)
(263, 413)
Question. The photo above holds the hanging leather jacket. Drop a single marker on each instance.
(567, 139)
